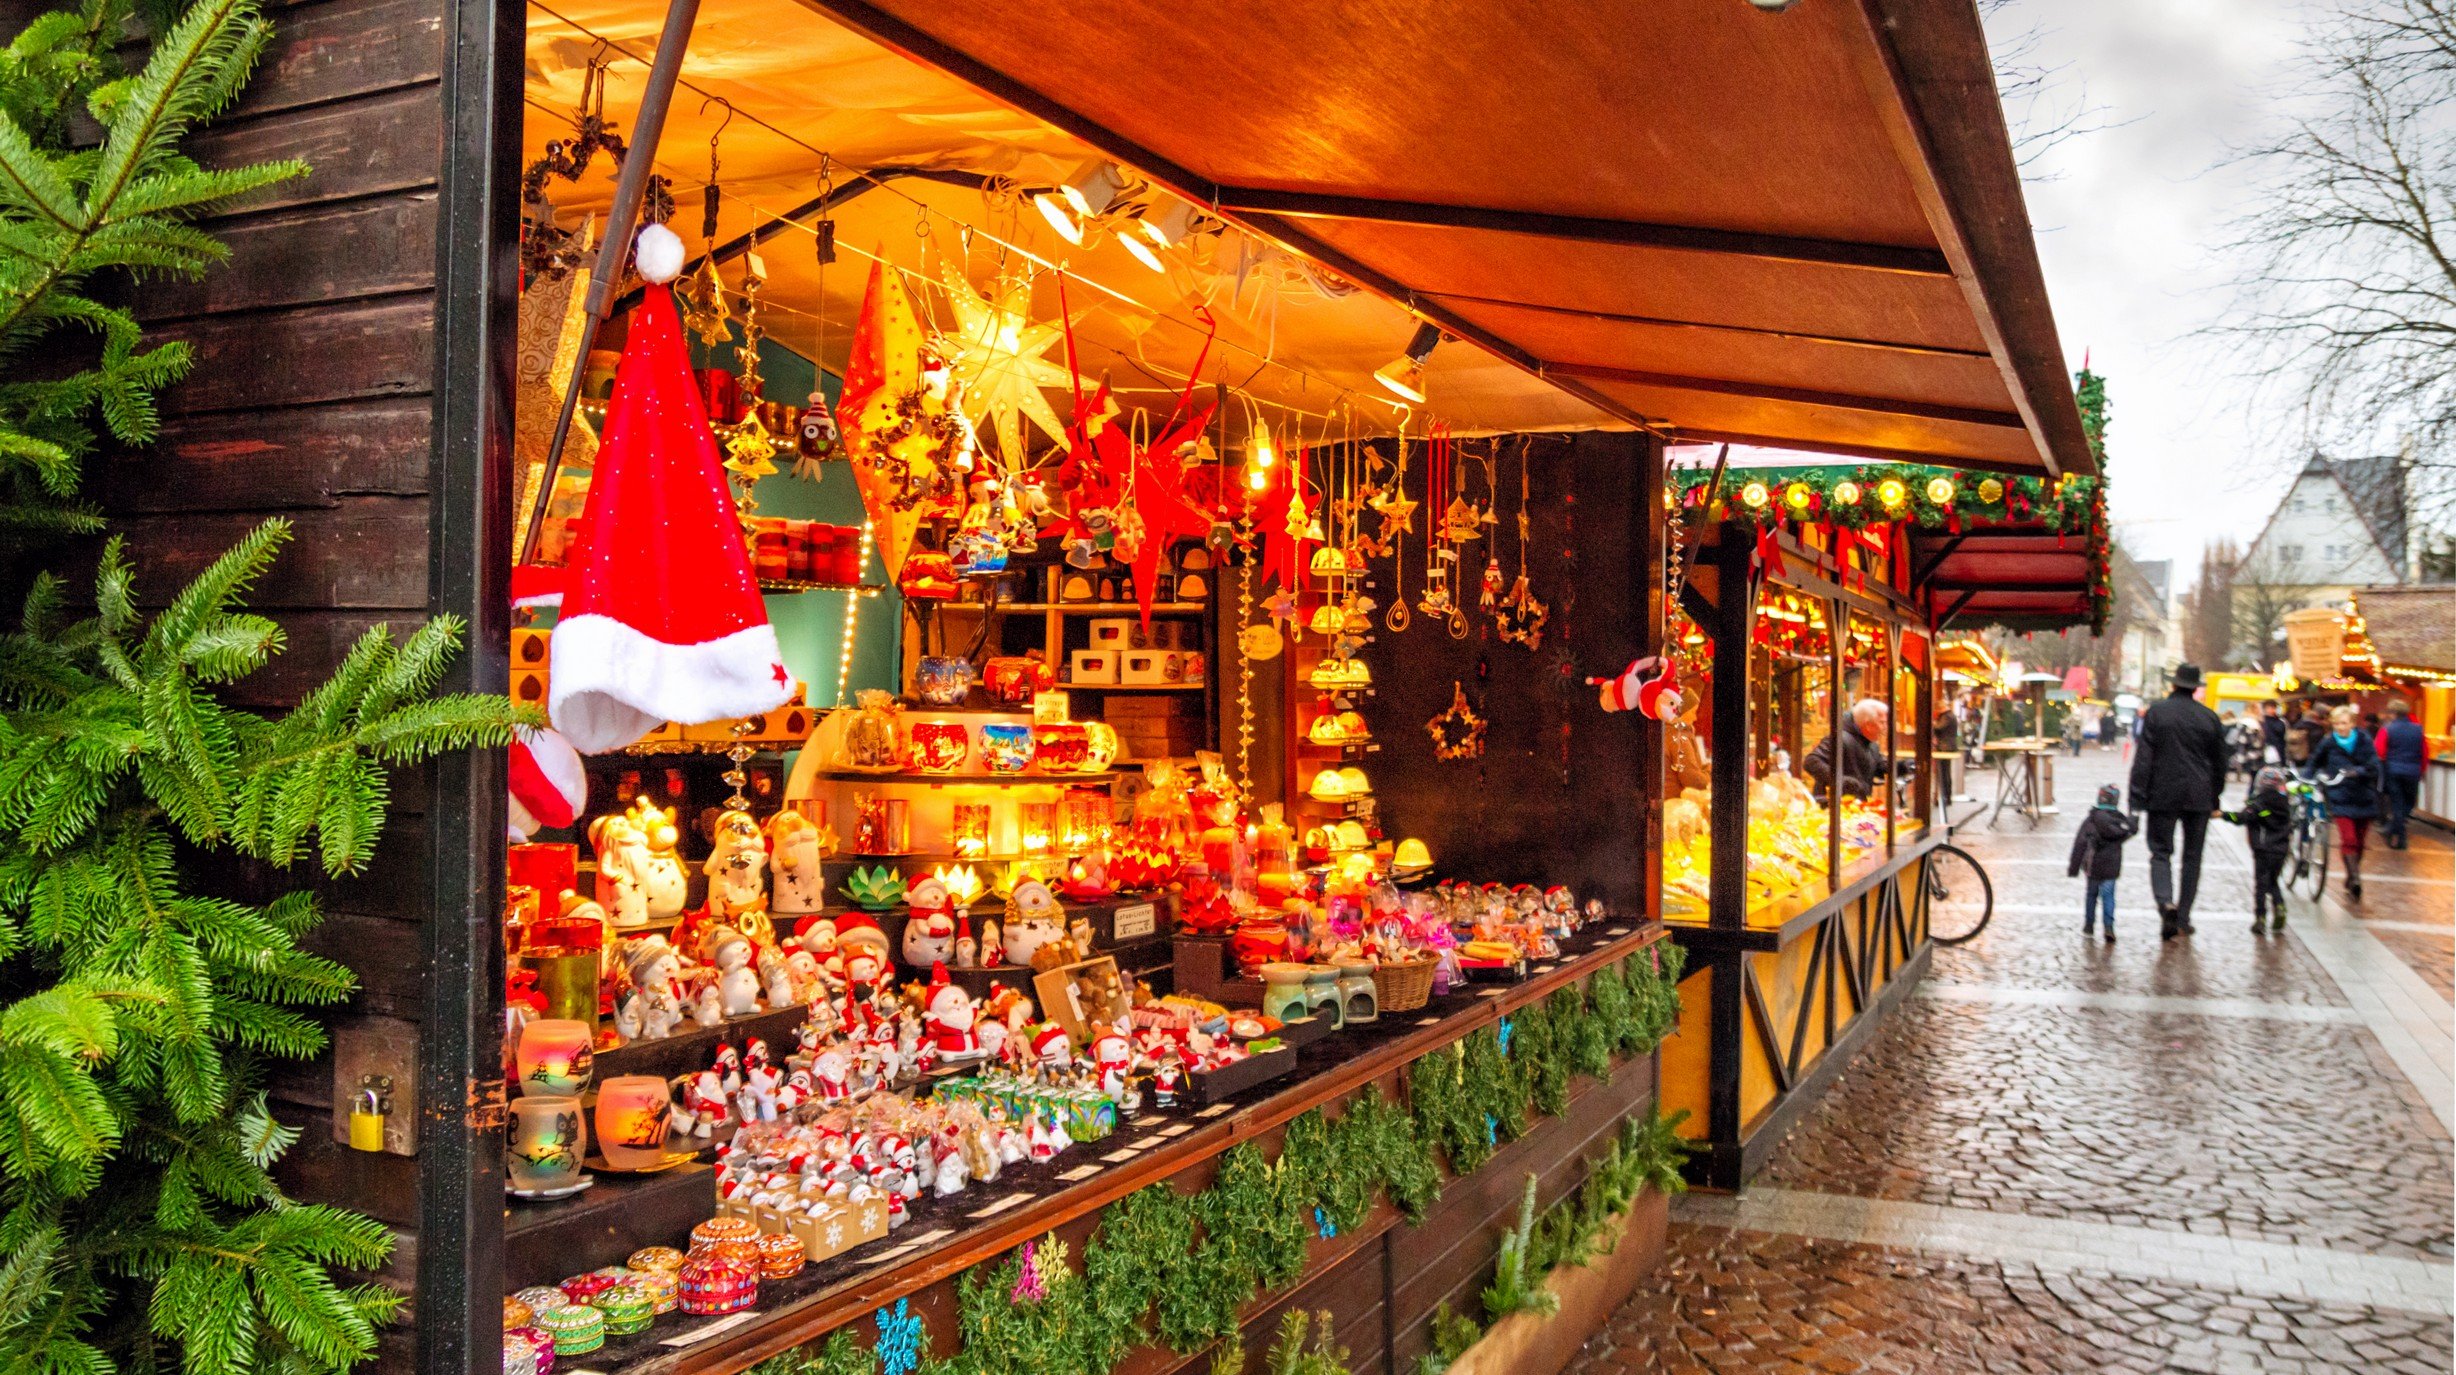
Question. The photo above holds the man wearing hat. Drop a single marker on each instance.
(2178, 774)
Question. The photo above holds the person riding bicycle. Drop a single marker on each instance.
(2268, 819)
(2346, 766)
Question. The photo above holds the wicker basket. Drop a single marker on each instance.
(1403, 987)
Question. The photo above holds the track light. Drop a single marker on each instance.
(1133, 241)
(1053, 209)
(1087, 191)
(1403, 376)
(1170, 226)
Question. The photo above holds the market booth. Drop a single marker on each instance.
(1183, 633)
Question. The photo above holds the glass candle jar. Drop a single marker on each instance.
(633, 1111)
(1060, 748)
(1006, 746)
(555, 1057)
(1038, 827)
(970, 834)
(937, 746)
(883, 825)
(549, 1140)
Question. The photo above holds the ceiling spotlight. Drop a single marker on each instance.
(1404, 375)
(1134, 242)
(1090, 189)
(1773, 6)
(1053, 208)
(1169, 226)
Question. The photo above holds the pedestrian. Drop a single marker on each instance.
(2346, 766)
(2072, 732)
(2097, 855)
(2403, 752)
(2268, 819)
(2272, 733)
(2178, 775)
(2304, 734)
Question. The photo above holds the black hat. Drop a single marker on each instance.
(2187, 676)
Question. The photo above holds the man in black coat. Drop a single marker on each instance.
(2272, 734)
(2178, 775)
(1863, 759)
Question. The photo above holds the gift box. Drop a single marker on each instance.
(1095, 665)
(575, 1328)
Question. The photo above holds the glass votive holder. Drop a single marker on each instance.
(633, 1112)
(970, 835)
(1037, 829)
(549, 1140)
(555, 1057)
(1006, 746)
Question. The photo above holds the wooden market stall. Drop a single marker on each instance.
(1670, 222)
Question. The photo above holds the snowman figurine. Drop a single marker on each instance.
(736, 869)
(929, 937)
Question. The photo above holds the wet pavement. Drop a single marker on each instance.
(2222, 1153)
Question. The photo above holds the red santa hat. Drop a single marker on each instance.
(1050, 1034)
(857, 929)
(549, 785)
(941, 987)
(661, 619)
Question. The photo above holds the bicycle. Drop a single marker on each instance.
(2314, 833)
(1955, 897)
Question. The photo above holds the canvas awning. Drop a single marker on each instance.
(1802, 228)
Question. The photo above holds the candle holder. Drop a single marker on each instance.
(1038, 829)
(937, 746)
(567, 978)
(1006, 746)
(556, 1057)
(971, 830)
(549, 1140)
(884, 825)
(633, 1113)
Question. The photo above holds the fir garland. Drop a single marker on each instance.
(1446, 1115)
(1589, 1039)
(1129, 1263)
(1493, 1085)
(1856, 497)
(1386, 1137)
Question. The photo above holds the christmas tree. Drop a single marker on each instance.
(140, 1226)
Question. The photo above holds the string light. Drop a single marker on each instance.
(852, 619)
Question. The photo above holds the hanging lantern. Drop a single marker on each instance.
(1754, 496)
(1940, 490)
(1991, 490)
(1892, 492)
(1846, 492)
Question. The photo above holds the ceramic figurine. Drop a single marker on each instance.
(953, 1171)
(1033, 919)
(816, 935)
(756, 1100)
(736, 868)
(929, 936)
(736, 981)
(832, 1071)
(1113, 1056)
(653, 1007)
(952, 1019)
(799, 1088)
(1167, 1080)
(623, 866)
(803, 978)
(701, 1103)
(709, 1011)
(668, 890)
(1052, 1048)
(993, 948)
(798, 848)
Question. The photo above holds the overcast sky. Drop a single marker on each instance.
(2131, 225)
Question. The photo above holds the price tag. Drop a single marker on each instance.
(1616, 930)
(1492, 992)
(1428, 1020)
(1000, 1206)
(1214, 1110)
(929, 1236)
(1120, 1157)
(1178, 1129)
(1080, 1172)
(725, 1324)
(1141, 919)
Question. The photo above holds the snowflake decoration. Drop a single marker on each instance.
(1323, 1224)
(1508, 1026)
(899, 1338)
(835, 1236)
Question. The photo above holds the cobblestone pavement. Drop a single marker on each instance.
(2222, 1153)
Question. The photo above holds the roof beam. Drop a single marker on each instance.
(1876, 453)
(1303, 205)
(1790, 336)
(1843, 401)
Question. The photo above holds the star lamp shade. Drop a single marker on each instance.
(996, 352)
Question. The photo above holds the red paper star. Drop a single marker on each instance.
(1159, 480)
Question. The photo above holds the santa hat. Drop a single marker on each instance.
(549, 785)
(803, 927)
(1049, 1034)
(941, 986)
(857, 929)
(661, 619)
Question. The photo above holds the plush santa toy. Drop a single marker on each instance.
(661, 616)
(1647, 687)
(549, 786)
(951, 1017)
(1052, 1046)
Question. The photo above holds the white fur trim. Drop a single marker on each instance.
(611, 685)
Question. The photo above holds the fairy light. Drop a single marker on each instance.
(852, 619)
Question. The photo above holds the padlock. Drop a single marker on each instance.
(367, 1122)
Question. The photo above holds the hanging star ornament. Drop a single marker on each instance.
(1158, 496)
(995, 350)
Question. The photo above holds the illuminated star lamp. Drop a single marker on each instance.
(995, 351)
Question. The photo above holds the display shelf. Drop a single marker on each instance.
(989, 780)
(1133, 687)
(556, 1239)
(790, 586)
(1095, 608)
(946, 1236)
(692, 1047)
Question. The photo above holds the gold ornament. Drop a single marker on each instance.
(1754, 496)
(1940, 490)
(1799, 496)
(1892, 492)
(1991, 490)
(1846, 492)
(1458, 733)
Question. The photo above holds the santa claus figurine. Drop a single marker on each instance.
(831, 1073)
(950, 1019)
(1167, 1080)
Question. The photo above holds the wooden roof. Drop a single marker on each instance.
(2411, 627)
(1802, 229)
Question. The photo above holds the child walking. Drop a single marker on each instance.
(2268, 820)
(2097, 851)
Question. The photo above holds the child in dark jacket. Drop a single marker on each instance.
(2097, 852)
(2268, 817)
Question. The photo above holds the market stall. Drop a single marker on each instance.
(1090, 573)
(1801, 782)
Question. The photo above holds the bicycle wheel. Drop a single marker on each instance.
(2310, 872)
(1955, 894)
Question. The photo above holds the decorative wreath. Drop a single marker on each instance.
(1458, 733)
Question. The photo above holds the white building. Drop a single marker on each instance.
(2340, 526)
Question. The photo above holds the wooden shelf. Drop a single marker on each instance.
(1104, 608)
(1133, 687)
(990, 780)
(790, 586)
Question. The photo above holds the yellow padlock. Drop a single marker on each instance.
(367, 1122)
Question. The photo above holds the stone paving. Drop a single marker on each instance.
(2218, 1154)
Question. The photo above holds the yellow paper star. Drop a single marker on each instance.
(995, 351)
(1398, 515)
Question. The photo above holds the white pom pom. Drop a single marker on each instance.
(658, 254)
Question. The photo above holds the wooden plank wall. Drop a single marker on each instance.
(312, 399)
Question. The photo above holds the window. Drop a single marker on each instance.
(2291, 553)
(2336, 553)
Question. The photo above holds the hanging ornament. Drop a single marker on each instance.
(1520, 620)
(703, 305)
(1940, 490)
(1846, 492)
(996, 353)
(1991, 490)
(1754, 496)
(1458, 732)
(883, 370)
(1494, 580)
(1892, 493)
